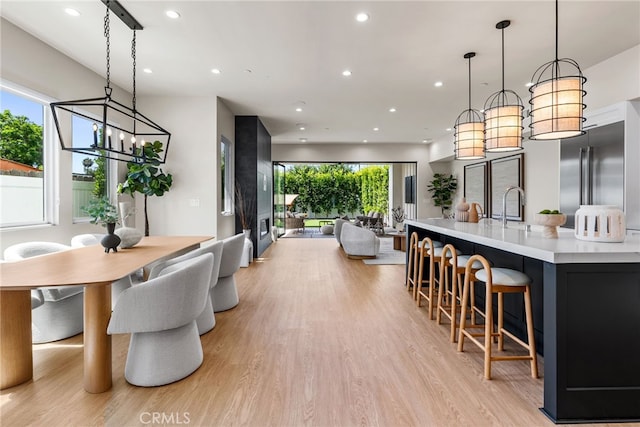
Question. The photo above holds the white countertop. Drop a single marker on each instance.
(566, 249)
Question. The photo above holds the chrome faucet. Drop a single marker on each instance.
(504, 203)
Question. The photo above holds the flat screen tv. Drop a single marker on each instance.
(410, 189)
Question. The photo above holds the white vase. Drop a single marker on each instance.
(125, 214)
(600, 223)
(247, 233)
(129, 236)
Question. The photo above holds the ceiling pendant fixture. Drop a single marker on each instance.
(503, 114)
(103, 127)
(469, 129)
(556, 99)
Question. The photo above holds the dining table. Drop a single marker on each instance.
(95, 270)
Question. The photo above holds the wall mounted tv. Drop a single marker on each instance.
(410, 189)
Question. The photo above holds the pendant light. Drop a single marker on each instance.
(103, 127)
(469, 129)
(503, 114)
(556, 98)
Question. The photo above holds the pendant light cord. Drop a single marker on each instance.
(556, 30)
(469, 83)
(502, 30)
(133, 55)
(107, 34)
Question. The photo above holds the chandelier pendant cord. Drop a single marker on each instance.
(107, 24)
(133, 55)
(469, 60)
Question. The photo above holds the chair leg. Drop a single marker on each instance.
(417, 288)
(463, 314)
(530, 332)
(488, 336)
(454, 306)
(500, 321)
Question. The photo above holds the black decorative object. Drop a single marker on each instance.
(119, 132)
(110, 240)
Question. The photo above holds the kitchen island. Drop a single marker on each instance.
(586, 301)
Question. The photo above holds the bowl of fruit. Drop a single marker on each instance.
(550, 220)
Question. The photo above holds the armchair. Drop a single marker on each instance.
(160, 315)
(57, 312)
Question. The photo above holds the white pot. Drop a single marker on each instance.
(600, 223)
(129, 236)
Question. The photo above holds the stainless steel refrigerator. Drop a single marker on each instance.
(592, 169)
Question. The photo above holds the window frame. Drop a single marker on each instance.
(226, 181)
(50, 157)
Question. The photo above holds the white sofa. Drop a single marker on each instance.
(359, 242)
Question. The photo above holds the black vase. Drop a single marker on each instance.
(111, 240)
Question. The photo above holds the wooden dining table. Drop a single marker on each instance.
(87, 266)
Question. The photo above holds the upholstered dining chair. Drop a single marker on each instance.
(225, 294)
(118, 286)
(206, 320)
(57, 312)
(160, 314)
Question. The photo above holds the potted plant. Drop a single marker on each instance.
(398, 217)
(442, 187)
(104, 213)
(146, 177)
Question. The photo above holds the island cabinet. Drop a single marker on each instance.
(586, 302)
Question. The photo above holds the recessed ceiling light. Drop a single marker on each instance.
(392, 110)
(365, 141)
(148, 70)
(346, 73)
(215, 71)
(72, 12)
(299, 109)
(529, 84)
(424, 141)
(301, 127)
(438, 84)
(362, 17)
(376, 129)
(172, 14)
(303, 139)
(448, 129)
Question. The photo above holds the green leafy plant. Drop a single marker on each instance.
(147, 177)
(442, 188)
(101, 212)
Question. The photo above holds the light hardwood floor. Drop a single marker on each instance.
(317, 339)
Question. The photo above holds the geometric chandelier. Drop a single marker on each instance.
(104, 127)
(468, 133)
(503, 114)
(557, 108)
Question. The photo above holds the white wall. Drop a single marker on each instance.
(191, 206)
(419, 153)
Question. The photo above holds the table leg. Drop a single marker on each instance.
(16, 357)
(97, 344)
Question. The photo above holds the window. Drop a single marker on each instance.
(89, 174)
(226, 183)
(26, 168)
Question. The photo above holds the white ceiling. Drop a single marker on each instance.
(278, 55)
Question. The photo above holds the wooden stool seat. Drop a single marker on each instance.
(498, 281)
(504, 277)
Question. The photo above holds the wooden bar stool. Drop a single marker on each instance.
(498, 281)
(433, 252)
(450, 297)
(412, 262)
